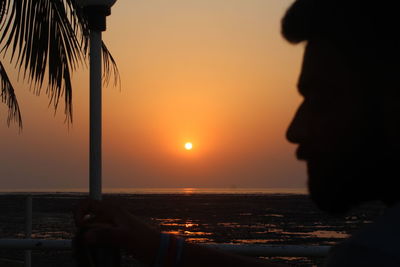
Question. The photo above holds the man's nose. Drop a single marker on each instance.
(297, 131)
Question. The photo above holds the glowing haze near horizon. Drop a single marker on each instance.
(215, 73)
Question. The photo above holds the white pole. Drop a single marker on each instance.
(95, 114)
(28, 230)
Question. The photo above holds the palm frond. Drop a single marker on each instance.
(41, 39)
(47, 40)
(7, 96)
(3, 7)
(110, 68)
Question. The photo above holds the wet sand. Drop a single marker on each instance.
(256, 219)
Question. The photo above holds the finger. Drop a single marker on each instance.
(84, 207)
(107, 236)
(97, 225)
(112, 208)
(89, 211)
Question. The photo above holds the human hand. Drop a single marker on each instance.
(107, 223)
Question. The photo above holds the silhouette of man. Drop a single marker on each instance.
(347, 129)
(348, 124)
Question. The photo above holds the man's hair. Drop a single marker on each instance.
(366, 31)
(360, 21)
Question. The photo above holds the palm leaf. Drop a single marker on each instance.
(3, 8)
(110, 68)
(8, 97)
(47, 40)
(7, 94)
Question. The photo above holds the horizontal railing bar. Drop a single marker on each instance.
(243, 249)
(274, 250)
(35, 244)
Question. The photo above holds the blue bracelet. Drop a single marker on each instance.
(162, 250)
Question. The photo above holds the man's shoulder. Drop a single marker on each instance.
(377, 244)
(353, 255)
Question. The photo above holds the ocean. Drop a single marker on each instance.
(240, 216)
(185, 190)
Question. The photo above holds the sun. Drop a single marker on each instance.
(188, 146)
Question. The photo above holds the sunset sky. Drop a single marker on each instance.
(214, 73)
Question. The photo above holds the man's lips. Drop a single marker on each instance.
(302, 153)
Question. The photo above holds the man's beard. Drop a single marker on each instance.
(368, 173)
(336, 186)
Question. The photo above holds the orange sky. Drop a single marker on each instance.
(216, 73)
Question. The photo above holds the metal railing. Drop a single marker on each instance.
(28, 230)
(243, 249)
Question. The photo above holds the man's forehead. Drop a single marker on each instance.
(323, 65)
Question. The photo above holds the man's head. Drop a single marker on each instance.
(348, 127)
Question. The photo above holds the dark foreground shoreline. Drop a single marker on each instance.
(277, 219)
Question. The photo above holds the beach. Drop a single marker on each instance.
(276, 219)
